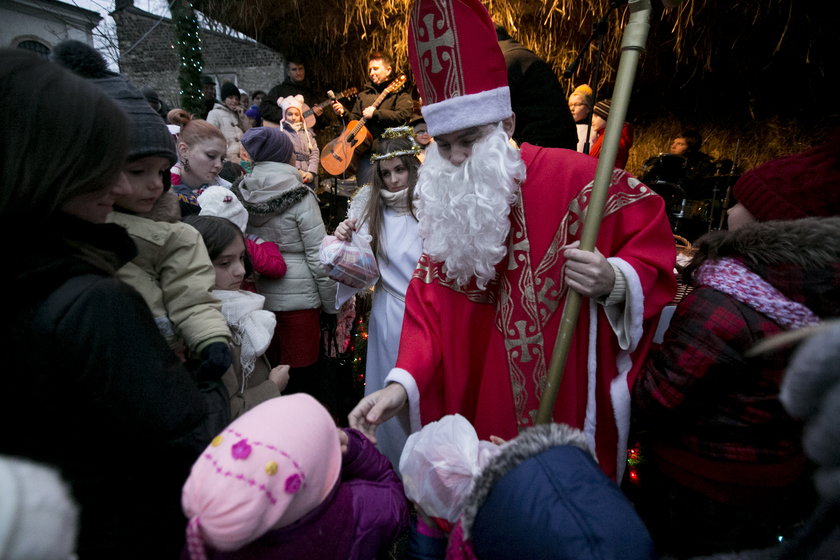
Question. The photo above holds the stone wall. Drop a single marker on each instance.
(149, 58)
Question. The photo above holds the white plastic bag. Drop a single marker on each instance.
(349, 262)
(439, 465)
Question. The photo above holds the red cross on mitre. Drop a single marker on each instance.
(454, 55)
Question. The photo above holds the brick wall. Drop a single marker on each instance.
(154, 61)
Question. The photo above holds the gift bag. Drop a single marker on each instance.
(349, 262)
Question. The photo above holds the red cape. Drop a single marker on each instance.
(484, 354)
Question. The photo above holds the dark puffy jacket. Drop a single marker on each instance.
(93, 389)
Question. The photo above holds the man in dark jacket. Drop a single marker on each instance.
(394, 110)
(297, 84)
(542, 116)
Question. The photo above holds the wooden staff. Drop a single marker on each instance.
(632, 44)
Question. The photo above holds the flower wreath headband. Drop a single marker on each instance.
(399, 132)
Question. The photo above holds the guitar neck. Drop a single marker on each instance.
(378, 101)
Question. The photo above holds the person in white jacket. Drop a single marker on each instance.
(284, 211)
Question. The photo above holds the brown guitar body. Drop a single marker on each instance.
(342, 153)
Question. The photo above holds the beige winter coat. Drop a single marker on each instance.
(283, 210)
(233, 126)
(174, 274)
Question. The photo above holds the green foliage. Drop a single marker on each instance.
(189, 49)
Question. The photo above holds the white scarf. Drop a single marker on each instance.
(251, 326)
(396, 201)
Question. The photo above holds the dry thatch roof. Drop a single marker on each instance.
(734, 42)
(727, 63)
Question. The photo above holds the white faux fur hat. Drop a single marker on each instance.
(221, 202)
(287, 103)
(38, 518)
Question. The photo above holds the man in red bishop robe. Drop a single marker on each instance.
(500, 228)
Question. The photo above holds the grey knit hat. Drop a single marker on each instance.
(148, 134)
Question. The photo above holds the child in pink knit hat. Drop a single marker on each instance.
(283, 481)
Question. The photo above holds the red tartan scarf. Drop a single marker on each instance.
(734, 279)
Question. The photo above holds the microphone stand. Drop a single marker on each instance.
(599, 31)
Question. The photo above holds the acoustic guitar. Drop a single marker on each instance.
(342, 153)
(309, 114)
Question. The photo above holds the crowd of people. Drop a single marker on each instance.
(170, 297)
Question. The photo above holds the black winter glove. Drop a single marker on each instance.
(215, 361)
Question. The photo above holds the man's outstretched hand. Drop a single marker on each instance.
(376, 408)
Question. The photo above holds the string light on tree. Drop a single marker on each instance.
(189, 49)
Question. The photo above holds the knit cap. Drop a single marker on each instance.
(266, 470)
(602, 108)
(221, 202)
(584, 91)
(148, 134)
(267, 144)
(796, 186)
(229, 89)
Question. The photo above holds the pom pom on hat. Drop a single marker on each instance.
(148, 134)
(221, 202)
(229, 89)
(796, 186)
(81, 59)
(269, 468)
(268, 144)
(602, 108)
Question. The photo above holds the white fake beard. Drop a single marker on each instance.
(463, 210)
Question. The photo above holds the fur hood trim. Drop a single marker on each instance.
(269, 204)
(808, 243)
(166, 209)
(530, 443)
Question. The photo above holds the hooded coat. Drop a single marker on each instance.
(708, 414)
(233, 125)
(284, 211)
(174, 274)
(544, 496)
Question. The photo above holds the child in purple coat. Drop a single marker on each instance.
(283, 481)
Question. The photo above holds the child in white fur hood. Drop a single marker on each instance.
(250, 380)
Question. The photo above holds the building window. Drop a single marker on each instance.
(35, 46)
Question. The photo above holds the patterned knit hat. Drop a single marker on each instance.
(602, 108)
(792, 187)
(458, 65)
(269, 468)
(148, 134)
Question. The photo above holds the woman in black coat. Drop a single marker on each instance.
(90, 385)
